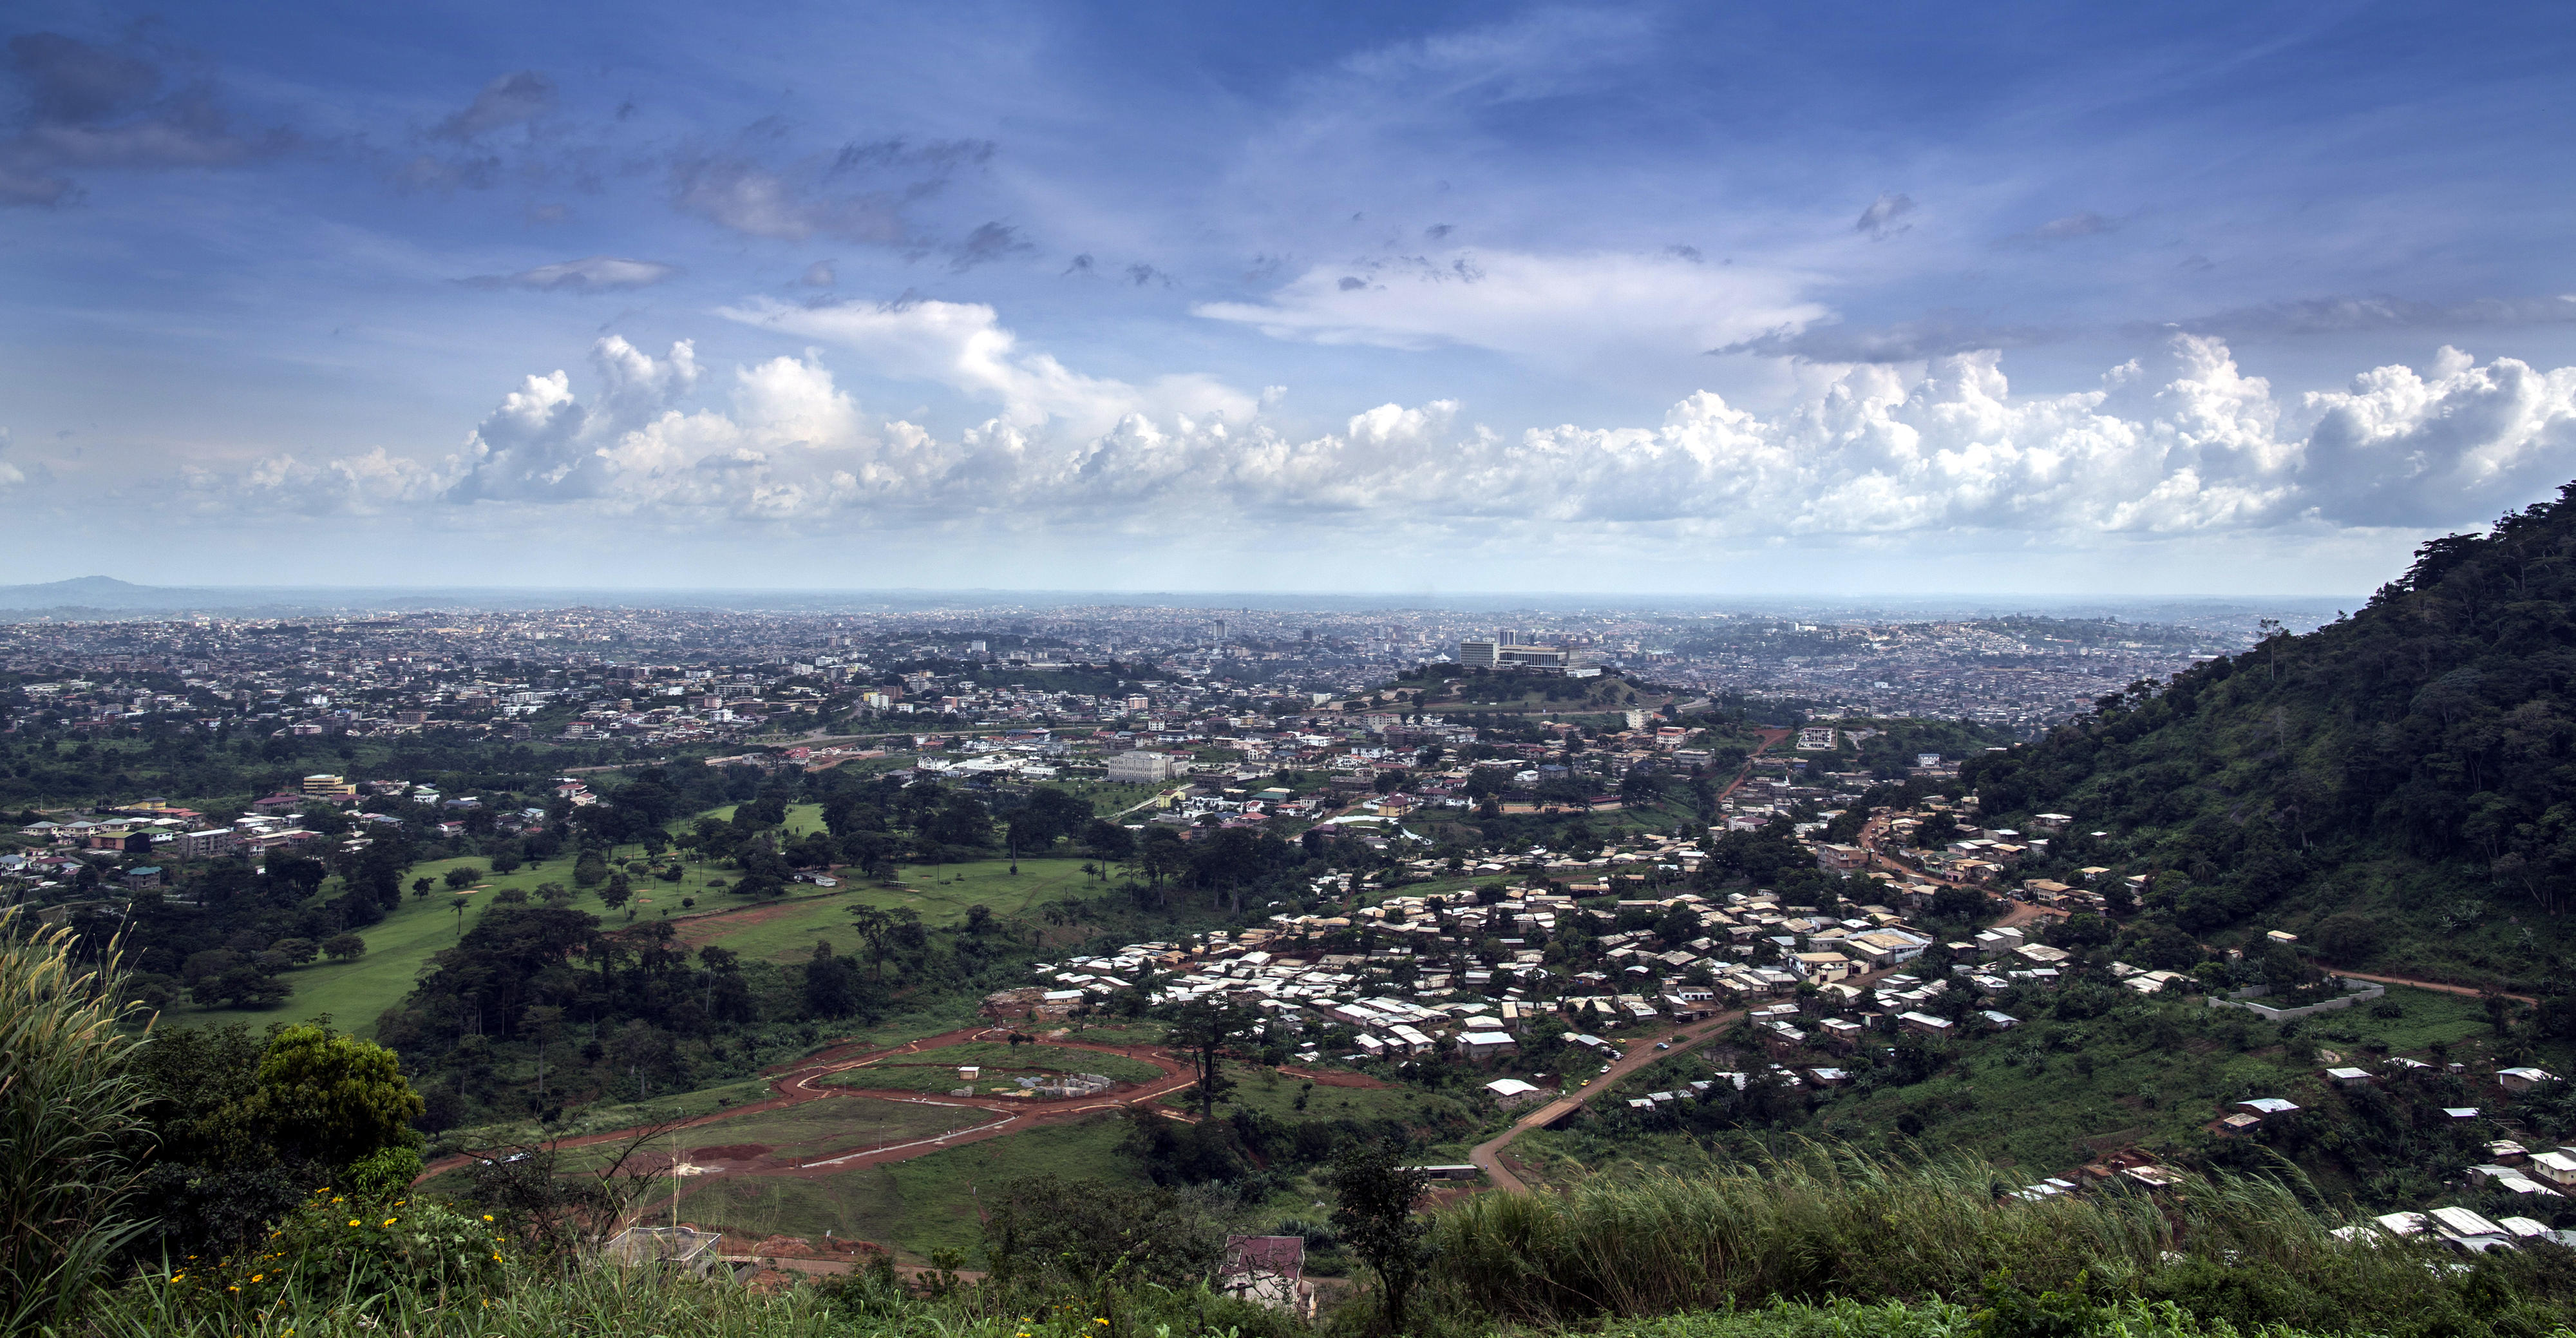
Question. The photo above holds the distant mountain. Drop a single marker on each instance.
(2398, 787)
(98, 592)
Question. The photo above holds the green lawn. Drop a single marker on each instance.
(936, 1070)
(356, 992)
(940, 893)
(914, 1206)
(801, 818)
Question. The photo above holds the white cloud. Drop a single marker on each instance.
(2189, 445)
(1567, 312)
(963, 345)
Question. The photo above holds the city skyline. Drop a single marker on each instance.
(2238, 302)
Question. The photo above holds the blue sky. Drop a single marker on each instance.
(2224, 299)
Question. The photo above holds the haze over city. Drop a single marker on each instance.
(1840, 301)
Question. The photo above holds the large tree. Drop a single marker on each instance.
(1373, 1192)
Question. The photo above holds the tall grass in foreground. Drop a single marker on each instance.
(625, 1303)
(537, 1299)
(68, 1106)
(1828, 1224)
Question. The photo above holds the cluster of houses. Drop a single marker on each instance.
(1466, 973)
(142, 842)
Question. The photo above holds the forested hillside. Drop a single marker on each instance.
(2398, 787)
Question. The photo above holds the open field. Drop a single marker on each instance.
(355, 993)
(914, 1206)
(936, 1070)
(785, 930)
(801, 818)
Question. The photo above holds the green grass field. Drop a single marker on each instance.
(801, 818)
(936, 1070)
(915, 1206)
(355, 993)
(940, 893)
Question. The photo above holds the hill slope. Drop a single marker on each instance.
(2399, 786)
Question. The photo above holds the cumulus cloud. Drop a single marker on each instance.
(820, 274)
(964, 346)
(1605, 309)
(512, 99)
(1884, 217)
(2184, 444)
(592, 274)
(84, 106)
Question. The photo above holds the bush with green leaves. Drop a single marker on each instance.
(337, 1246)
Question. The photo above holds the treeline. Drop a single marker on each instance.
(217, 769)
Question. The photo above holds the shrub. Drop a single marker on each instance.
(385, 1174)
(68, 1106)
(332, 1098)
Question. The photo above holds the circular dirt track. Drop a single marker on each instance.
(802, 1082)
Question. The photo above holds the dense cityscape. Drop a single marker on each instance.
(670, 677)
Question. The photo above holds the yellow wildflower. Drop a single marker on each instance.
(389, 1221)
(258, 1277)
(487, 1217)
(353, 1221)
